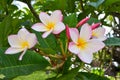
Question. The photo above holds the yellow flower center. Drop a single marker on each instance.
(94, 34)
(50, 25)
(25, 44)
(81, 43)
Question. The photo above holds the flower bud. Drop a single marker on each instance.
(67, 32)
(83, 21)
(94, 26)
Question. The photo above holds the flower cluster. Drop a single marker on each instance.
(83, 44)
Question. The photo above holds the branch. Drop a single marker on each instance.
(81, 3)
(31, 9)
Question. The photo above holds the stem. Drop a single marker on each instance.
(49, 55)
(66, 45)
(81, 3)
(31, 9)
(58, 65)
(61, 46)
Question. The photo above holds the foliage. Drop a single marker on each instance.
(45, 60)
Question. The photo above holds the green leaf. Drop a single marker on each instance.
(11, 67)
(96, 4)
(115, 8)
(70, 6)
(12, 8)
(48, 50)
(58, 5)
(71, 20)
(67, 65)
(89, 76)
(49, 44)
(93, 20)
(38, 75)
(81, 77)
(8, 26)
(110, 2)
(113, 42)
(70, 75)
(61, 4)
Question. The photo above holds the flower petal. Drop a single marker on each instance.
(22, 33)
(44, 17)
(32, 40)
(85, 32)
(47, 33)
(86, 57)
(103, 38)
(73, 48)
(74, 34)
(22, 54)
(56, 16)
(12, 50)
(94, 46)
(39, 27)
(58, 28)
(14, 41)
(98, 33)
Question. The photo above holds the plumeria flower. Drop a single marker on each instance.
(50, 24)
(98, 32)
(82, 45)
(21, 42)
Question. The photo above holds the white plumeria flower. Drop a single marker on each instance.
(82, 44)
(21, 42)
(50, 24)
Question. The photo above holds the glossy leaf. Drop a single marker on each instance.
(67, 65)
(89, 76)
(110, 2)
(48, 45)
(7, 26)
(113, 42)
(70, 75)
(12, 67)
(71, 20)
(93, 20)
(38, 75)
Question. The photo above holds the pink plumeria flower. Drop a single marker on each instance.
(50, 24)
(21, 42)
(98, 32)
(82, 44)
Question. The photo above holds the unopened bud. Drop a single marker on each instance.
(95, 25)
(67, 32)
(83, 21)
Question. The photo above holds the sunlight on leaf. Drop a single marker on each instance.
(38, 75)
